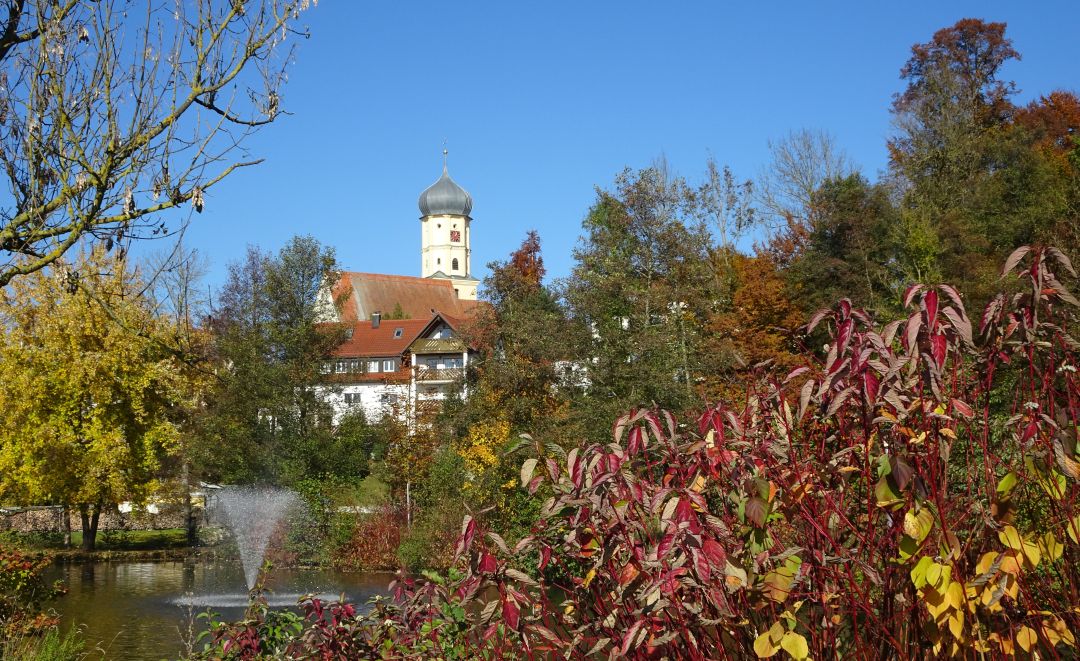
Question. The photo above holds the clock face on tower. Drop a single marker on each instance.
(455, 236)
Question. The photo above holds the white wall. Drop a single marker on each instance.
(371, 399)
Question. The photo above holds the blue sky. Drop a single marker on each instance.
(541, 102)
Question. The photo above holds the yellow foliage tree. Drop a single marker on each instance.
(88, 392)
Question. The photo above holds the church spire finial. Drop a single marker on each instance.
(445, 151)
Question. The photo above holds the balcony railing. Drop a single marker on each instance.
(439, 374)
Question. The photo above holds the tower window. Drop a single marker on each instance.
(453, 265)
(438, 260)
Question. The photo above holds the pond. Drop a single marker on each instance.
(143, 610)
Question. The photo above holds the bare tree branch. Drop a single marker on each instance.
(101, 122)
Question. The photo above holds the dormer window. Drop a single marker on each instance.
(398, 332)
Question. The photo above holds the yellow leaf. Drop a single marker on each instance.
(918, 572)
(956, 623)
(764, 647)
(1051, 547)
(768, 643)
(955, 595)
(1026, 638)
(795, 645)
(589, 577)
(918, 525)
(1011, 538)
(1074, 529)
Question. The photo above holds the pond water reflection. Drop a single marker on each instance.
(137, 610)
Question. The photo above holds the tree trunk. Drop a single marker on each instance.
(90, 515)
(190, 524)
(67, 526)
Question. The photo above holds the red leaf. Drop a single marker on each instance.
(843, 336)
(910, 294)
(716, 553)
(870, 385)
(963, 409)
(938, 347)
(665, 545)
(931, 301)
(468, 531)
(911, 332)
(701, 564)
(511, 612)
(628, 639)
(1014, 259)
(545, 556)
(756, 509)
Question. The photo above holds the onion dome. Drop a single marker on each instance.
(444, 197)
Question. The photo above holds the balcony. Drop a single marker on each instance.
(429, 374)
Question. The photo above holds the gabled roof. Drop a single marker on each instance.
(380, 342)
(368, 342)
(418, 297)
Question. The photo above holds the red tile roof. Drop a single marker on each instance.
(370, 342)
(376, 292)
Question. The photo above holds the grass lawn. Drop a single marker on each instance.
(107, 540)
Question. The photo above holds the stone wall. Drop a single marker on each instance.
(50, 519)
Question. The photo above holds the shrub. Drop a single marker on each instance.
(374, 541)
(24, 594)
(912, 489)
(909, 492)
(50, 645)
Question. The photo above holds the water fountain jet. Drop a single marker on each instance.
(253, 514)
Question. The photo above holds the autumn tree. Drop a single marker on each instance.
(89, 389)
(759, 327)
(978, 175)
(112, 112)
(522, 337)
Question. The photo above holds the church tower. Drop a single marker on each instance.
(445, 235)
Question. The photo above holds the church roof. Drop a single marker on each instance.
(445, 197)
(418, 298)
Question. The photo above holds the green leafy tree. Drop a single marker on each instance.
(642, 285)
(850, 247)
(89, 391)
(267, 419)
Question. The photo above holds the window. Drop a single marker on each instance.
(373, 366)
(388, 365)
(453, 265)
(398, 332)
(438, 260)
(352, 398)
